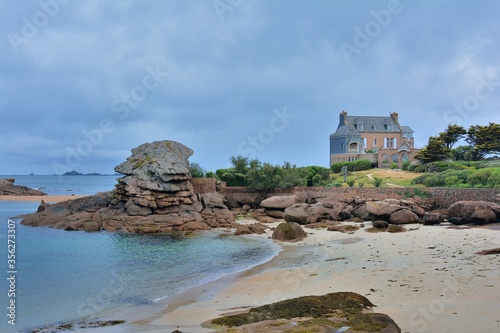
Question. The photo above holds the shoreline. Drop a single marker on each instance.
(39, 198)
(427, 280)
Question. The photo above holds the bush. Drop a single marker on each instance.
(377, 181)
(359, 165)
(412, 167)
(350, 183)
(438, 166)
(448, 178)
(394, 165)
(362, 164)
(361, 184)
(405, 165)
(479, 177)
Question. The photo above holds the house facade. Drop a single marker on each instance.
(377, 138)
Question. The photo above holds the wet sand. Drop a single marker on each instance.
(428, 280)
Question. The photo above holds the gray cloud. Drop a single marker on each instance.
(88, 65)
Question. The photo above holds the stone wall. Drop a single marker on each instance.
(443, 197)
(447, 196)
(204, 185)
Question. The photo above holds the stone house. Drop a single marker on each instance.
(377, 138)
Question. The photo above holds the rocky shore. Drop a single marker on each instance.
(156, 195)
(7, 187)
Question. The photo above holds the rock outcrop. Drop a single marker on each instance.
(474, 212)
(154, 195)
(334, 312)
(327, 209)
(394, 211)
(7, 187)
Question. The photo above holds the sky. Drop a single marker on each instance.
(84, 82)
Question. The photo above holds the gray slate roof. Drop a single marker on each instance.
(346, 131)
(407, 129)
(373, 123)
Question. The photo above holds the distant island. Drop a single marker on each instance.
(76, 173)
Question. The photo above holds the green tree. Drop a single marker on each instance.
(452, 134)
(462, 153)
(196, 170)
(240, 163)
(316, 175)
(262, 177)
(435, 150)
(483, 140)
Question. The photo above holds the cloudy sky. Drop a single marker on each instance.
(83, 82)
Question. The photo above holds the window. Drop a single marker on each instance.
(353, 146)
(395, 143)
(365, 142)
(341, 146)
(360, 127)
(375, 142)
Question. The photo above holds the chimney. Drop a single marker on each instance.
(343, 118)
(394, 115)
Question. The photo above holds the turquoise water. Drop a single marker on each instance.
(73, 276)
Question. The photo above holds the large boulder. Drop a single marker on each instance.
(381, 208)
(404, 216)
(279, 202)
(431, 218)
(474, 212)
(306, 213)
(158, 165)
(289, 231)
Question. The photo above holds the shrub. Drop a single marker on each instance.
(359, 165)
(479, 177)
(438, 166)
(405, 165)
(394, 165)
(350, 183)
(362, 164)
(421, 179)
(361, 184)
(377, 181)
(412, 167)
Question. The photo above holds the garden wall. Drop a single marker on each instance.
(204, 185)
(443, 197)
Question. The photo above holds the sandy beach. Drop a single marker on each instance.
(428, 279)
(39, 198)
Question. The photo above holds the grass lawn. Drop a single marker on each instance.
(401, 178)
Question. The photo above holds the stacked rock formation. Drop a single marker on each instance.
(156, 180)
(155, 195)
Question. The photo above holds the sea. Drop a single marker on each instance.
(55, 276)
